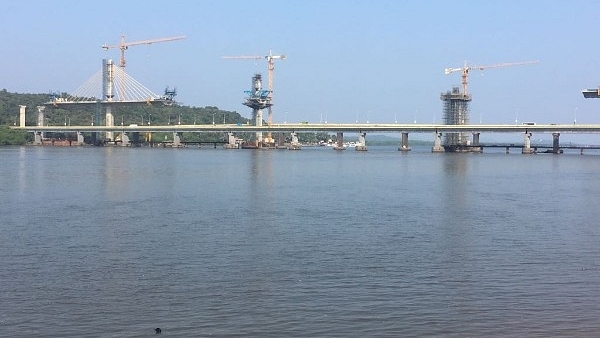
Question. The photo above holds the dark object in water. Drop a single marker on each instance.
(157, 330)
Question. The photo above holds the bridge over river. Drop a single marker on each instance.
(360, 128)
(332, 127)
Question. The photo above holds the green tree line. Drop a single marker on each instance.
(126, 115)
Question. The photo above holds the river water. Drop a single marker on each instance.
(114, 242)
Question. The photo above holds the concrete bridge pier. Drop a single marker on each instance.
(41, 115)
(294, 143)
(125, 142)
(22, 116)
(177, 139)
(110, 122)
(135, 138)
(437, 144)
(258, 122)
(41, 118)
(527, 144)
(80, 139)
(404, 143)
(231, 144)
(279, 140)
(37, 138)
(339, 144)
(361, 145)
(556, 143)
(475, 144)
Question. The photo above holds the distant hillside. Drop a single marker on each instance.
(10, 102)
(162, 115)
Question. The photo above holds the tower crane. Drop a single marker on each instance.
(465, 70)
(270, 68)
(124, 45)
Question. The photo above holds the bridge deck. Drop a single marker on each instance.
(352, 128)
(541, 146)
(78, 104)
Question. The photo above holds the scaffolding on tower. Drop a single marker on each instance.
(270, 68)
(257, 99)
(456, 105)
(456, 112)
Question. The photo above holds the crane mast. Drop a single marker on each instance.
(110, 78)
(270, 70)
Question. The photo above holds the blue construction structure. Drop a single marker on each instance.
(258, 99)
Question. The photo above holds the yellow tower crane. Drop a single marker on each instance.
(465, 70)
(270, 68)
(124, 45)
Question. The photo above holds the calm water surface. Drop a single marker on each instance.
(113, 242)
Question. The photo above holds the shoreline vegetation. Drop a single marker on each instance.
(164, 115)
(10, 137)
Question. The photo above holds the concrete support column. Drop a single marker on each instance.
(437, 144)
(258, 123)
(135, 138)
(108, 77)
(125, 142)
(475, 144)
(476, 139)
(22, 116)
(404, 143)
(80, 139)
(280, 141)
(555, 143)
(339, 144)
(37, 138)
(527, 144)
(294, 143)
(41, 118)
(110, 122)
(361, 145)
(177, 139)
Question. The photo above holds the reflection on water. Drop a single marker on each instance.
(311, 243)
(21, 169)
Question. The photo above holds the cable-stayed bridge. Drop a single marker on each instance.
(111, 85)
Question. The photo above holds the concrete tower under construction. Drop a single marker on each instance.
(456, 112)
(258, 99)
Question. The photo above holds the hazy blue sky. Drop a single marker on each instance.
(346, 60)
